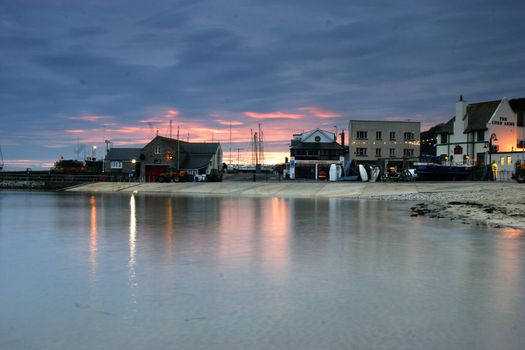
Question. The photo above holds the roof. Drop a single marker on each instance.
(479, 115)
(200, 148)
(123, 153)
(517, 105)
(190, 147)
(197, 161)
(447, 127)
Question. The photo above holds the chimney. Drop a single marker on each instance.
(461, 111)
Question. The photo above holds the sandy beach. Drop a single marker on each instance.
(497, 204)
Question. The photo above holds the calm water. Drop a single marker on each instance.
(120, 271)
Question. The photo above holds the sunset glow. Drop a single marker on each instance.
(319, 113)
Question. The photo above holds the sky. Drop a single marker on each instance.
(74, 73)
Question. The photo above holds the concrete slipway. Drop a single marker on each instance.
(287, 188)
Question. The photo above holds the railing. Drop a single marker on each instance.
(465, 163)
(51, 177)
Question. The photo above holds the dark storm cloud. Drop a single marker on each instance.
(166, 21)
(87, 32)
(360, 58)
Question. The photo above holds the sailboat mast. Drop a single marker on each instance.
(1, 159)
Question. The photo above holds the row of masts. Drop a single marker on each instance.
(257, 143)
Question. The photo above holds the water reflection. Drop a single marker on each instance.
(132, 243)
(93, 238)
(168, 236)
(264, 272)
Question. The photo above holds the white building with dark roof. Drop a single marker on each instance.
(313, 152)
(485, 132)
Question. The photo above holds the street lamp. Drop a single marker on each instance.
(133, 168)
(492, 139)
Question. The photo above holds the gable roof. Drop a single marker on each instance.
(306, 136)
(123, 154)
(193, 155)
(446, 128)
(517, 105)
(479, 115)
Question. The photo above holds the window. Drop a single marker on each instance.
(444, 137)
(408, 136)
(116, 164)
(362, 134)
(392, 135)
(360, 152)
(392, 152)
(378, 135)
(378, 152)
(480, 135)
(157, 150)
(408, 152)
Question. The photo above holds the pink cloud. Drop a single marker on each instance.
(319, 113)
(228, 123)
(152, 120)
(90, 118)
(172, 113)
(273, 115)
(75, 131)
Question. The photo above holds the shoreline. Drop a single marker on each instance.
(495, 204)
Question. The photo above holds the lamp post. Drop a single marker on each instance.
(133, 168)
(492, 139)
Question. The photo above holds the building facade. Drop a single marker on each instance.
(123, 161)
(370, 141)
(313, 152)
(483, 133)
(163, 152)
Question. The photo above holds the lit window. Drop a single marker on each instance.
(509, 161)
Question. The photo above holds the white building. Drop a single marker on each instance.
(313, 152)
(469, 135)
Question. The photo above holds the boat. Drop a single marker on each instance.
(332, 173)
(362, 173)
(443, 171)
(374, 174)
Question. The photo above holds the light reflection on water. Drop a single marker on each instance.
(140, 271)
